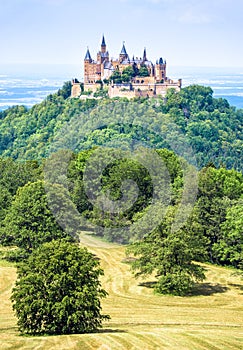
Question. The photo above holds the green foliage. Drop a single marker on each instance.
(113, 177)
(218, 190)
(170, 256)
(87, 93)
(116, 77)
(30, 221)
(230, 246)
(127, 74)
(58, 291)
(65, 91)
(213, 128)
(143, 71)
(12, 176)
(102, 92)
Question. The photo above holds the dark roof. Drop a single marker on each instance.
(103, 41)
(148, 63)
(123, 50)
(104, 54)
(88, 56)
(108, 65)
(161, 60)
(144, 55)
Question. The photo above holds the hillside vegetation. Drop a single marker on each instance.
(213, 128)
(154, 189)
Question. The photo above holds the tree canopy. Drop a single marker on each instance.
(212, 127)
(58, 291)
(170, 256)
(30, 222)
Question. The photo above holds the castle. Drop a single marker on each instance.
(146, 78)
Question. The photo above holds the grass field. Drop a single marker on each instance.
(210, 319)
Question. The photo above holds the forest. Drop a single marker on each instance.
(162, 176)
(211, 126)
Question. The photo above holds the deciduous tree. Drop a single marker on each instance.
(58, 291)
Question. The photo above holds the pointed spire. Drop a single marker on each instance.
(103, 41)
(144, 55)
(88, 56)
(123, 50)
(161, 60)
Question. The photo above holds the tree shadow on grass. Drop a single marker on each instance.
(109, 330)
(237, 286)
(147, 284)
(207, 289)
(199, 289)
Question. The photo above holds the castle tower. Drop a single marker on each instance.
(103, 45)
(123, 55)
(88, 68)
(160, 70)
(144, 55)
(102, 55)
(88, 56)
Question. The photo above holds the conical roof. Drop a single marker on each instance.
(123, 50)
(88, 56)
(144, 55)
(103, 41)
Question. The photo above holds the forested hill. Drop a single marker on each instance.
(213, 128)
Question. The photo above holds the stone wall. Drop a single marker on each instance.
(76, 90)
(148, 89)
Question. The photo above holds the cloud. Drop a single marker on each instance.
(191, 11)
(194, 16)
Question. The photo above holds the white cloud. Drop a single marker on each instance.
(194, 16)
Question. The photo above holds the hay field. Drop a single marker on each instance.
(210, 319)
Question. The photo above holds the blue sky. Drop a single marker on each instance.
(185, 32)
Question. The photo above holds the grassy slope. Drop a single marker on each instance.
(140, 319)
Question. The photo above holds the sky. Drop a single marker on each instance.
(184, 32)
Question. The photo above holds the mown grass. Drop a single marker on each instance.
(211, 318)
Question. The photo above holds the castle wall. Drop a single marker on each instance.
(142, 90)
(161, 89)
(121, 91)
(144, 80)
(91, 87)
(76, 90)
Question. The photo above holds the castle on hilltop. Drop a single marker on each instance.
(124, 76)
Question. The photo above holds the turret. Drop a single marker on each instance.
(88, 56)
(144, 55)
(123, 55)
(103, 45)
(160, 70)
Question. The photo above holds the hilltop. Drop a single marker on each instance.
(211, 126)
